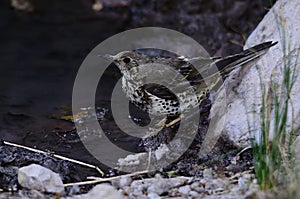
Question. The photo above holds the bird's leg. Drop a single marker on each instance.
(181, 116)
(156, 125)
(174, 121)
(162, 122)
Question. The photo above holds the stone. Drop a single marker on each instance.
(216, 184)
(153, 196)
(161, 151)
(40, 178)
(194, 194)
(207, 173)
(121, 182)
(244, 183)
(198, 187)
(184, 189)
(296, 149)
(241, 119)
(133, 163)
(103, 191)
(156, 185)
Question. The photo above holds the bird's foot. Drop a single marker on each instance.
(156, 127)
(174, 121)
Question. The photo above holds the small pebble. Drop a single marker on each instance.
(194, 194)
(153, 196)
(207, 173)
(197, 187)
(184, 190)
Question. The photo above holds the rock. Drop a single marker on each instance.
(7, 195)
(194, 194)
(244, 183)
(121, 182)
(296, 149)
(133, 163)
(153, 196)
(103, 191)
(184, 189)
(198, 187)
(40, 178)
(161, 151)
(207, 173)
(260, 195)
(157, 185)
(216, 185)
(244, 97)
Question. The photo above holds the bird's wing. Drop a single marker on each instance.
(187, 77)
(210, 70)
(227, 64)
(199, 72)
(159, 91)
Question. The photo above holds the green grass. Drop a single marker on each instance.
(273, 154)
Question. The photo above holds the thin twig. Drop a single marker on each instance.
(243, 150)
(98, 180)
(55, 155)
(237, 175)
(173, 122)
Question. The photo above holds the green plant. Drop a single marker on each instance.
(273, 156)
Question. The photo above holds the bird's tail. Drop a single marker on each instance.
(227, 64)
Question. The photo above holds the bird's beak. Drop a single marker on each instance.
(107, 57)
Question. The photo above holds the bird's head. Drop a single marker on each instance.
(126, 60)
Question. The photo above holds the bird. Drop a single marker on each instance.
(158, 99)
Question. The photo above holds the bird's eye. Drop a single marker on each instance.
(126, 60)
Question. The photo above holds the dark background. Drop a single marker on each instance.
(43, 47)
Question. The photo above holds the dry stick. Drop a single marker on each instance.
(56, 156)
(181, 117)
(237, 175)
(98, 180)
(243, 150)
(173, 122)
(105, 179)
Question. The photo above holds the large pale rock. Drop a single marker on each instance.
(241, 119)
(40, 178)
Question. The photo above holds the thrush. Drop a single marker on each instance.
(159, 99)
